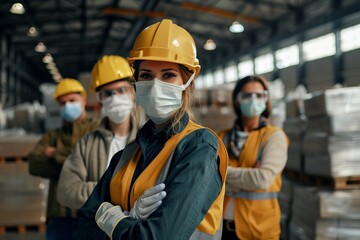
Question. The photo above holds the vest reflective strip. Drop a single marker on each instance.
(197, 235)
(253, 195)
(128, 151)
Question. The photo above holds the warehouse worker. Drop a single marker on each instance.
(48, 156)
(257, 154)
(170, 148)
(112, 82)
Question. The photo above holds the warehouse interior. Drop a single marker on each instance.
(308, 50)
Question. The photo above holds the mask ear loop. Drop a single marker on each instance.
(188, 82)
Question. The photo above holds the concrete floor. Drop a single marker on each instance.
(23, 236)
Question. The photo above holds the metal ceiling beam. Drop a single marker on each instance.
(109, 24)
(274, 4)
(83, 34)
(218, 12)
(148, 5)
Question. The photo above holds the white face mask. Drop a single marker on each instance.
(117, 107)
(160, 100)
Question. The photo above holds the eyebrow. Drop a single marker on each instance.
(162, 70)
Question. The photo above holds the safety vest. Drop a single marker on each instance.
(256, 213)
(156, 172)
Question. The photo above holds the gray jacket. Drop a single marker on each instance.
(85, 166)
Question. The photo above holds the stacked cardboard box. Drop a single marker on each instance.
(22, 196)
(333, 133)
(325, 214)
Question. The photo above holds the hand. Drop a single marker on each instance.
(148, 202)
(50, 152)
(108, 216)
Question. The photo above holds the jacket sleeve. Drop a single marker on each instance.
(192, 185)
(87, 228)
(73, 187)
(39, 164)
(273, 161)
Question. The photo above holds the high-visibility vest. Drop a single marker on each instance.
(256, 213)
(156, 172)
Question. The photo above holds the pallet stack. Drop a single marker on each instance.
(326, 182)
(22, 196)
(319, 213)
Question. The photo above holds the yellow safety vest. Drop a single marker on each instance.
(256, 213)
(156, 173)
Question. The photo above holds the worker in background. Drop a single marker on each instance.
(257, 156)
(112, 82)
(48, 156)
(189, 160)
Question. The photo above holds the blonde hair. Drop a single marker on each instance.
(186, 97)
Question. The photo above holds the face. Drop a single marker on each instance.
(252, 90)
(118, 87)
(164, 71)
(71, 97)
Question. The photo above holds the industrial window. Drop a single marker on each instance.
(199, 82)
(246, 68)
(319, 47)
(219, 76)
(264, 63)
(287, 57)
(231, 73)
(350, 38)
(208, 80)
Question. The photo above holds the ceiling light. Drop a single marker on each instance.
(54, 71)
(40, 47)
(50, 65)
(47, 58)
(210, 45)
(17, 8)
(236, 27)
(57, 77)
(32, 32)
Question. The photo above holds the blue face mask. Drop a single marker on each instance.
(71, 111)
(252, 107)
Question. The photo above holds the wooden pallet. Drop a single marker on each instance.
(16, 159)
(23, 228)
(337, 183)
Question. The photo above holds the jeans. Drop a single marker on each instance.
(61, 228)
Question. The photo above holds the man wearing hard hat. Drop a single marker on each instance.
(112, 82)
(48, 156)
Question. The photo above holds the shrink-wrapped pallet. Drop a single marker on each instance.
(22, 196)
(316, 211)
(332, 156)
(332, 102)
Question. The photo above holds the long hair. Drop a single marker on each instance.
(239, 86)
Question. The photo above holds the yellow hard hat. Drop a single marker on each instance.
(166, 41)
(68, 85)
(108, 69)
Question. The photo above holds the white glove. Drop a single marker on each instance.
(148, 202)
(108, 216)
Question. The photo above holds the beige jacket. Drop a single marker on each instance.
(83, 168)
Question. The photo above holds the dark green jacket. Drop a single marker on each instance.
(192, 185)
(64, 140)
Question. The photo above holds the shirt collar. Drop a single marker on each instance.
(148, 130)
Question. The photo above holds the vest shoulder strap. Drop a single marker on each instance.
(128, 151)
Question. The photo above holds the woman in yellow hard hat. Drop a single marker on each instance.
(257, 155)
(112, 79)
(48, 156)
(188, 160)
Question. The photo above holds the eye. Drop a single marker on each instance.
(145, 76)
(169, 75)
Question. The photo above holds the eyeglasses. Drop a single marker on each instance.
(105, 93)
(242, 96)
